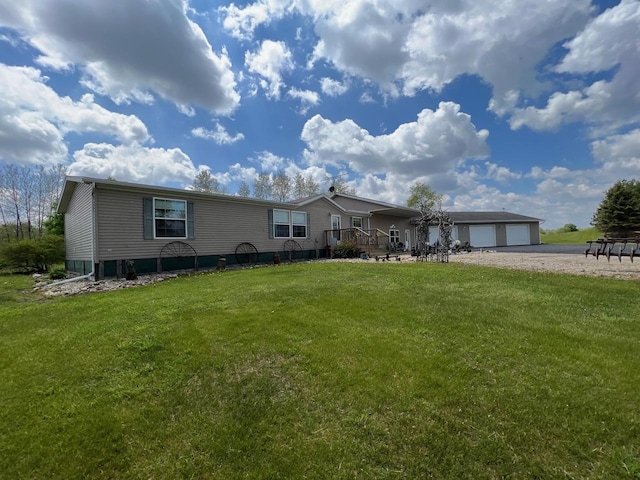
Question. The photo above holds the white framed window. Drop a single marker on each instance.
(281, 223)
(289, 224)
(299, 222)
(169, 218)
(356, 222)
(394, 236)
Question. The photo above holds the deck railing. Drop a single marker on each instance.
(367, 240)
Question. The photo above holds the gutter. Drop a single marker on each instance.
(93, 250)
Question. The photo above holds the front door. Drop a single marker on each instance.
(407, 240)
(336, 225)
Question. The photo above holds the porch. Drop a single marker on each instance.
(372, 242)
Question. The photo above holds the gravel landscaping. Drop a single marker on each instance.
(571, 263)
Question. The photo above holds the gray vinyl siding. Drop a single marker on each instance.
(78, 223)
(384, 222)
(534, 232)
(321, 212)
(220, 225)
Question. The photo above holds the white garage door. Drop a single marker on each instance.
(434, 234)
(518, 235)
(482, 235)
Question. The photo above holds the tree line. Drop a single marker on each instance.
(28, 196)
(277, 186)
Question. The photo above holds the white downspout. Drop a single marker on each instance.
(93, 251)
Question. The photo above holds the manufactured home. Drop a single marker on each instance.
(109, 223)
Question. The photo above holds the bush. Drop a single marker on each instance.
(346, 249)
(33, 255)
(58, 274)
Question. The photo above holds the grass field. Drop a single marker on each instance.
(581, 236)
(325, 370)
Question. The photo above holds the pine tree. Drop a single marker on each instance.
(618, 214)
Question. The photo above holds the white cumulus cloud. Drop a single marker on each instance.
(34, 119)
(609, 41)
(219, 135)
(134, 163)
(434, 143)
(269, 62)
(128, 50)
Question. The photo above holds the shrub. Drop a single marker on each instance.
(33, 255)
(346, 249)
(58, 274)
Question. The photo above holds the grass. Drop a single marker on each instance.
(581, 236)
(325, 370)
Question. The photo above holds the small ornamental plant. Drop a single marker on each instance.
(346, 249)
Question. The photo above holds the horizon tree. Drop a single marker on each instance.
(619, 211)
(243, 189)
(262, 186)
(281, 186)
(423, 197)
(205, 182)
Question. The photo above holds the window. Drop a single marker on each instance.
(394, 236)
(356, 222)
(288, 224)
(299, 224)
(170, 218)
(281, 223)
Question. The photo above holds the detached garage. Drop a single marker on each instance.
(518, 234)
(496, 229)
(482, 235)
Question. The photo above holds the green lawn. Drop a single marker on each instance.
(581, 236)
(325, 370)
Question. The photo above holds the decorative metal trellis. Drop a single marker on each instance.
(434, 249)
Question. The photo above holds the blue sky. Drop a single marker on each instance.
(530, 107)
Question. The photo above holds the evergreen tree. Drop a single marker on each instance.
(619, 211)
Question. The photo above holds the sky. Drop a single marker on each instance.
(531, 107)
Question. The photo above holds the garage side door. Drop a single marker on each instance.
(518, 235)
(482, 235)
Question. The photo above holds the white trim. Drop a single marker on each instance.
(153, 215)
(291, 224)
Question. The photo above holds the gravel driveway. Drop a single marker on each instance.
(553, 258)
